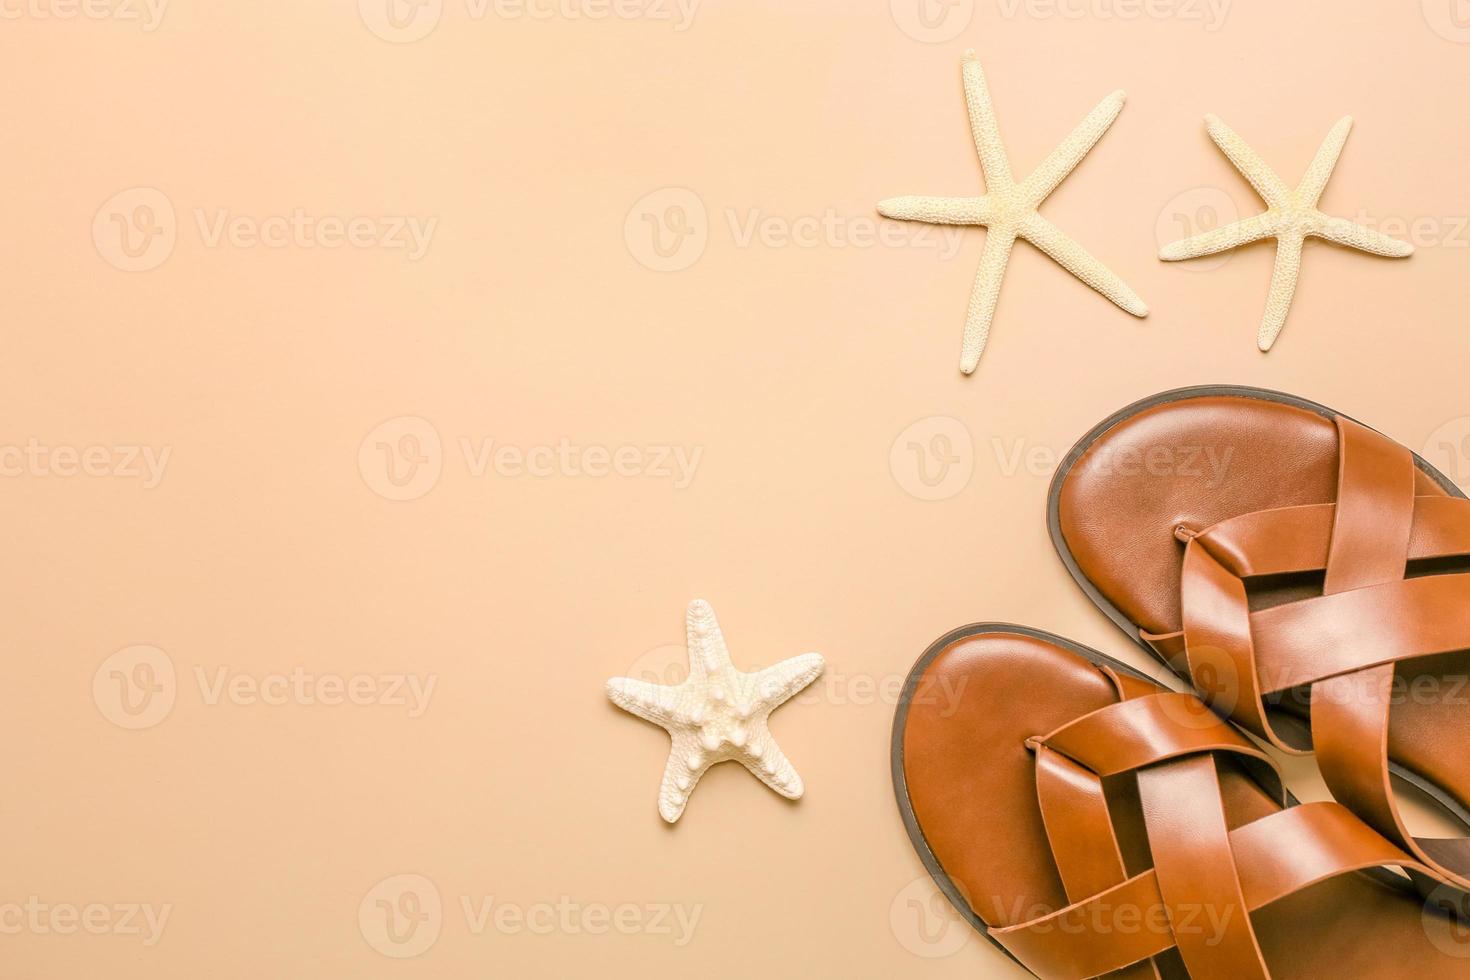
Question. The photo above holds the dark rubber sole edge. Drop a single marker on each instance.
(1447, 803)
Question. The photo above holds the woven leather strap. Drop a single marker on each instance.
(1206, 879)
(1342, 646)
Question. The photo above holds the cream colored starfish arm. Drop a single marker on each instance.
(1078, 261)
(765, 760)
(938, 210)
(1241, 232)
(983, 296)
(1283, 287)
(777, 683)
(707, 650)
(1314, 181)
(983, 126)
(683, 770)
(1064, 159)
(1341, 231)
(651, 702)
(1271, 188)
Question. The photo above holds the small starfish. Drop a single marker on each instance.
(1291, 216)
(1008, 211)
(717, 713)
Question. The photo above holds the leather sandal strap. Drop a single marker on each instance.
(1074, 809)
(1343, 645)
(1375, 510)
(1219, 644)
(1195, 866)
(1370, 547)
(1079, 827)
(1079, 823)
(1285, 540)
(1314, 639)
(1129, 735)
(1170, 741)
(1275, 857)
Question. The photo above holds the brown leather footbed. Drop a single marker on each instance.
(965, 785)
(1233, 450)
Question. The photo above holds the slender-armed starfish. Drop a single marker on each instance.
(1291, 216)
(1008, 211)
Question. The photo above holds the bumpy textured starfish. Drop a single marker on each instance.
(1008, 211)
(1291, 217)
(717, 713)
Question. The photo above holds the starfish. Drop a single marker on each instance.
(717, 713)
(1291, 216)
(1008, 211)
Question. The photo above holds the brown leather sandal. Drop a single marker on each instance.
(1308, 575)
(1092, 823)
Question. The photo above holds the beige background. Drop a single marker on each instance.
(545, 150)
